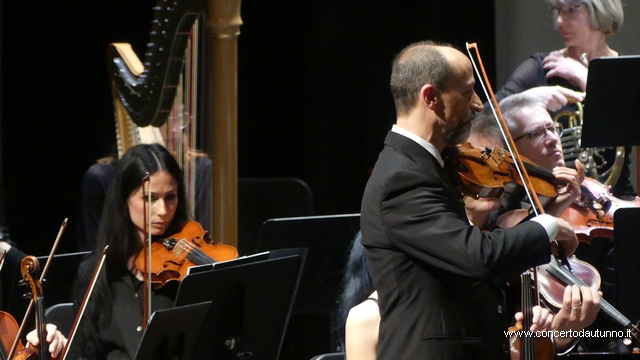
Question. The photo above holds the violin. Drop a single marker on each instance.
(9, 327)
(553, 277)
(29, 265)
(529, 347)
(172, 257)
(592, 216)
(487, 172)
(558, 276)
(8, 332)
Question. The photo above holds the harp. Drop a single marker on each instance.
(184, 96)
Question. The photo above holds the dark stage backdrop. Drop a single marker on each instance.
(314, 101)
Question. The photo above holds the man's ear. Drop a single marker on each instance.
(430, 95)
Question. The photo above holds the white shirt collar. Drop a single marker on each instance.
(425, 144)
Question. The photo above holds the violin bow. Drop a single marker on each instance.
(529, 282)
(83, 305)
(2, 256)
(146, 309)
(511, 146)
(43, 274)
(504, 129)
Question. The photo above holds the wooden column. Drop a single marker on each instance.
(223, 29)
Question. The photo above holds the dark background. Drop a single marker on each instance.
(313, 94)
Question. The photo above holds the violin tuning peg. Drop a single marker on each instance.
(605, 202)
(27, 296)
(22, 282)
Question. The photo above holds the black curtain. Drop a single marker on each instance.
(313, 93)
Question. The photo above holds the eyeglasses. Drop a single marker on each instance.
(567, 12)
(541, 133)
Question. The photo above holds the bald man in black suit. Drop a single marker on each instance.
(435, 273)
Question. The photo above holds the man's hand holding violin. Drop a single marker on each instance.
(566, 241)
(570, 193)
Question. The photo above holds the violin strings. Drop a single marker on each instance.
(193, 253)
(527, 300)
(604, 305)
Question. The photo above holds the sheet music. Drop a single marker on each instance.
(237, 261)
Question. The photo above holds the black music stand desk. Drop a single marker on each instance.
(626, 248)
(172, 333)
(329, 239)
(250, 305)
(611, 103)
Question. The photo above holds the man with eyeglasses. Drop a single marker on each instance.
(537, 137)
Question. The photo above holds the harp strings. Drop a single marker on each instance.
(181, 129)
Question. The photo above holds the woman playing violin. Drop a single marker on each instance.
(113, 321)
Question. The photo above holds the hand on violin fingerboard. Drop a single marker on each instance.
(580, 306)
(56, 340)
(542, 319)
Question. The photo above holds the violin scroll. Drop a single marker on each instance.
(28, 267)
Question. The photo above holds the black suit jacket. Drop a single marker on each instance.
(434, 272)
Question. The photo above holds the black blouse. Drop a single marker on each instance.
(121, 337)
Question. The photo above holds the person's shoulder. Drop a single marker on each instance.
(364, 314)
(100, 169)
(539, 56)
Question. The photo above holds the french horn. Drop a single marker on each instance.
(595, 164)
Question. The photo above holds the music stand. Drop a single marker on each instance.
(626, 248)
(329, 240)
(250, 306)
(176, 341)
(612, 102)
(227, 263)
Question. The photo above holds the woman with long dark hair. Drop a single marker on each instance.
(358, 315)
(111, 327)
